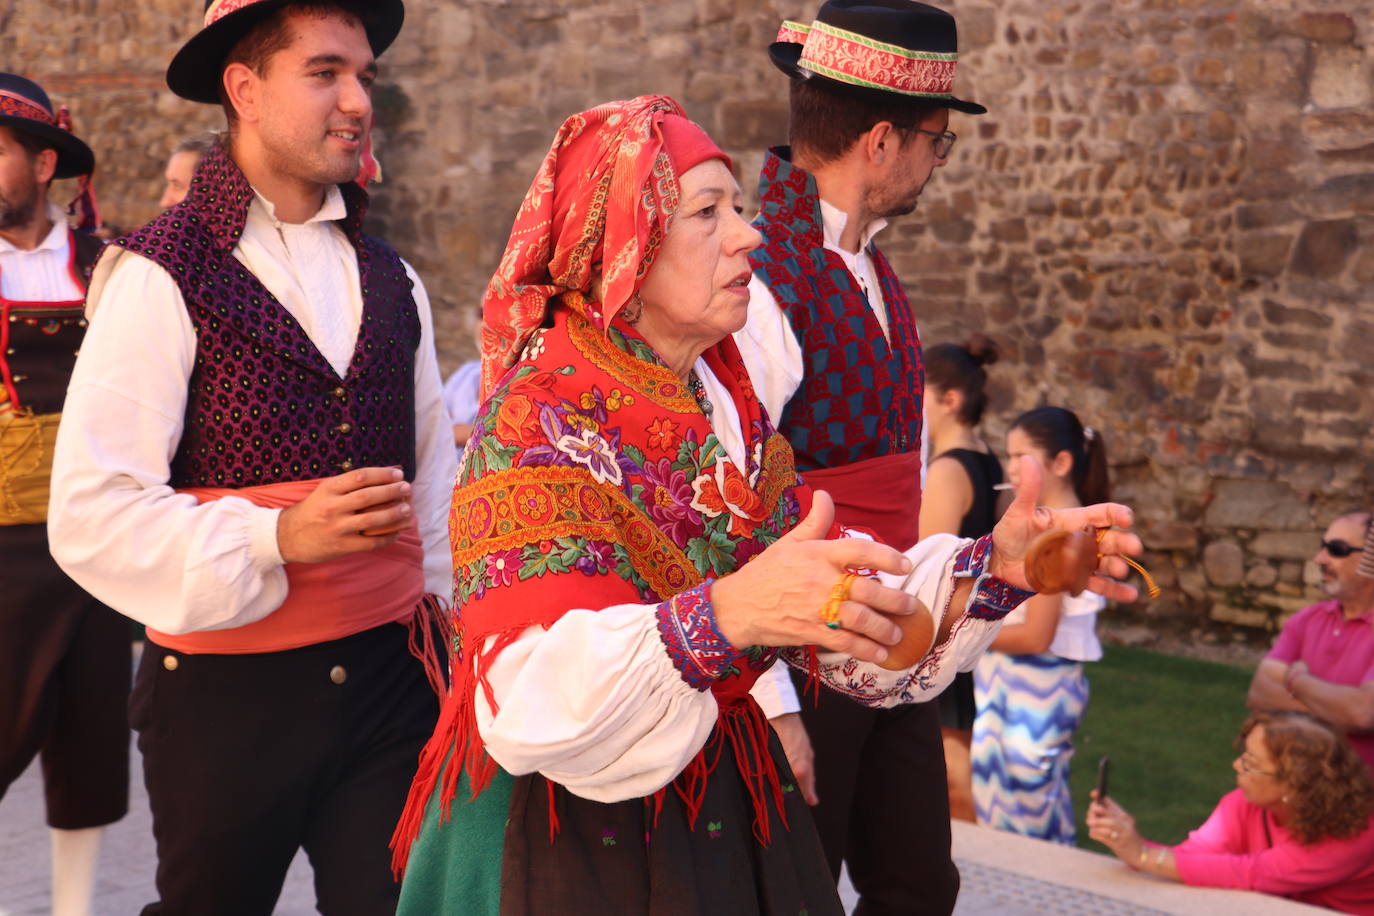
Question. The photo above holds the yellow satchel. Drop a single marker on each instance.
(26, 447)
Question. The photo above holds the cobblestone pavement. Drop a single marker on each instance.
(124, 881)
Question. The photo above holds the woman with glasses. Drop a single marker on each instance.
(1299, 824)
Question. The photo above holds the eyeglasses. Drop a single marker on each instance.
(1253, 770)
(1339, 549)
(944, 140)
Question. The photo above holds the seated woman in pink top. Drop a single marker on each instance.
(1300, 823)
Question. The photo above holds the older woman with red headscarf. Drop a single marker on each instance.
(632, 545)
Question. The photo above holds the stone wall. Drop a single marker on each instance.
(1164, 219)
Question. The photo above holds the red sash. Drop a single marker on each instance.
(324, 601)
(880, 494)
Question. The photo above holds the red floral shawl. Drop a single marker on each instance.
(593, 479)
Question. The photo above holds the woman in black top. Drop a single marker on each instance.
(959, 498)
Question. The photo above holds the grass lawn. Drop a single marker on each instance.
(1167, 723)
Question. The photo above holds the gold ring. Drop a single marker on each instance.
(839, 593)
(1112, 834)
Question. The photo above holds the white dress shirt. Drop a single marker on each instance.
(43, 273)
(115, 524)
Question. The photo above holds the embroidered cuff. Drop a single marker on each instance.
(992, 598)
(687, 626)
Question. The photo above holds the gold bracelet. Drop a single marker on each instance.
(1159, 856)
(1144, 853)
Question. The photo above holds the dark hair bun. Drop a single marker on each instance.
(982, 349)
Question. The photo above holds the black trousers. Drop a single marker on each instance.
(64, 685)
(249, 757)
(880, 775)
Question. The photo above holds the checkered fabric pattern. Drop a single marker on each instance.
(860, 396)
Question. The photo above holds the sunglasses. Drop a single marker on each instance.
(1339, 549)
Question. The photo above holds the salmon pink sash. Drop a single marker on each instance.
(324, 601)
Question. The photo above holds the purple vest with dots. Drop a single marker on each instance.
(263, 405)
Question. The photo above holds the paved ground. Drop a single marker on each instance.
(1003, 875)
(1068, 881)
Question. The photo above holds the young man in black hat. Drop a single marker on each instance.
(64, 656)
(259, 468)
(832, 346)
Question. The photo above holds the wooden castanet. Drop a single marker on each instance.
(1062, 561)
(918, 635)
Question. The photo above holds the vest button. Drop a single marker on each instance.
(170, 662)
(345, 427)
(340, 391)
(346, 465)
(20, 378)
(338, 674)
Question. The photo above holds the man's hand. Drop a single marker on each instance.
(1024, 521)
(329, 523)
(796, 744)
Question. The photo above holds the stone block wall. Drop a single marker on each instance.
(1164, 219)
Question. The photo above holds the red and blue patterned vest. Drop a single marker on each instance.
(860, 397)
(263, 404)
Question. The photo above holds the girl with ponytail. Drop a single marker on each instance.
(1030, 686)
(960, 498)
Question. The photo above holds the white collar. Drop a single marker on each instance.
(333, 207)
(55, 240)
(833, 221)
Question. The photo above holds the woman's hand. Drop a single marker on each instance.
(776, 599)
(1024, 521)
(1113, 827)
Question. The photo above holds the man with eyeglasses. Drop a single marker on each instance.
(1323, 661)
(833, 351)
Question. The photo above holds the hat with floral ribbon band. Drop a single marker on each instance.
(196, 70)
(875, 49)
(24, 106)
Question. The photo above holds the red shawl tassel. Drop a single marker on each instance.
(455, 734)
(430, 630)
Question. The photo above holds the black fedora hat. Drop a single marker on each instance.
(195, 71)
(24, 106)
(875, 49)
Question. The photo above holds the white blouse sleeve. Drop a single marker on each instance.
(436, 461)
(114, 524)
(595, 704)
(937, 562)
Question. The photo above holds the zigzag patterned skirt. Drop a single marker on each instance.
(1029, 707)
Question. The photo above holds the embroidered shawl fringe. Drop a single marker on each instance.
(430, 631)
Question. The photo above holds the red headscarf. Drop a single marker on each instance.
(599, 204)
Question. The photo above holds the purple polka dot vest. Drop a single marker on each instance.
(263, 405)
(860, 396)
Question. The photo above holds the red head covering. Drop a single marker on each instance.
(599, 205)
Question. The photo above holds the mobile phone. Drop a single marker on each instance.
(1102, 766)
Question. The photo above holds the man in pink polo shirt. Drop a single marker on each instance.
(1323, 661)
